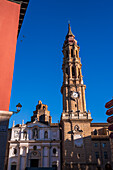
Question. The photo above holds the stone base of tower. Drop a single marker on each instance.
(81, 146)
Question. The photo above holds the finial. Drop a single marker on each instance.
(22, 122)
(68, 21)
(39, 102)
(69, 30)
(13, 123)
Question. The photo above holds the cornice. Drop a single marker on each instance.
(5, 113)
(35, 141)
(23, 8)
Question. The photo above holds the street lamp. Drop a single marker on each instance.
(18, 107)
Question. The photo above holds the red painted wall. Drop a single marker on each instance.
(9, 19)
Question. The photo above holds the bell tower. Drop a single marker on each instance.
(75, 120)
(73, 88)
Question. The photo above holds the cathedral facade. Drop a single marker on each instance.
(36, 143)
(75, 142)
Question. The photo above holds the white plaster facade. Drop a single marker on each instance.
(34, 144)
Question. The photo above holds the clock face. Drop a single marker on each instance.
(75, 95)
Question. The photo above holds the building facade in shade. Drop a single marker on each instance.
(12, 13)
(36, 143)
(75, 143)
(85, 145)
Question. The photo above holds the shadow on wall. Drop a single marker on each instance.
(5, 135)
(41, 168)
(88, 153)
(82, 153)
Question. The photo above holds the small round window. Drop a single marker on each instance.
(54, 150)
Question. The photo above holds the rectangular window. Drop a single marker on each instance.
(104, 145)
(95, 144)
(97, 155)
(105, 155)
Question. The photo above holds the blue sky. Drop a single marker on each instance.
(38, 61)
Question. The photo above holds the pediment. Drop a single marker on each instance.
(37, 124)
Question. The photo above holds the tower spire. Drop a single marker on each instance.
(69, 31)
(73, 88)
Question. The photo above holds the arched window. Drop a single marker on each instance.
(73, 72)
(67, 70)
(25, 135)
(45, 134)
(95, 132)
(66, 53)
(71, 52)
(35, 133)
(76, 53)
(14, 151)
(39, 107)
(78, 72)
